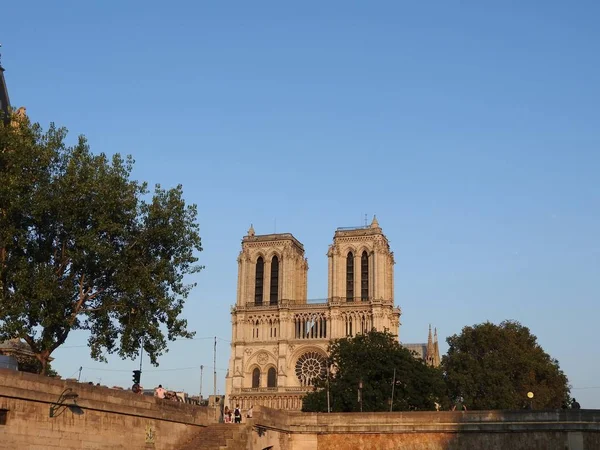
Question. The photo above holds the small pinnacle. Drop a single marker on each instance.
(374, 223)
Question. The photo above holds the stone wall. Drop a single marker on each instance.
(111, 419)
(519, 430)
(114, 419)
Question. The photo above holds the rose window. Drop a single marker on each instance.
(310, 366)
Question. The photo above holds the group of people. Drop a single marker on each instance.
(235, 416)
(161, 392)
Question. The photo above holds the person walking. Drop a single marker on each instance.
(249, 412)
(237, 414)
(575, 404)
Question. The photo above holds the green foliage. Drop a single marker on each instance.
(84, 247)
(494, 366)
(372, 358)
(32, 365)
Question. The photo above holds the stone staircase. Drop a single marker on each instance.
(222, 436)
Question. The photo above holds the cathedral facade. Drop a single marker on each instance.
(279, 337)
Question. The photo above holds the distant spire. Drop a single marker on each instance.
(430, 350)
(4, 100)
(436, 350)
(374, 223)
(251, 231)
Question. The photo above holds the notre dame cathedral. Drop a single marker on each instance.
(279, 338)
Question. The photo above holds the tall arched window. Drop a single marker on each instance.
(256, 378)
(364, 277)
(274, 294)
(258, 285)
(350, 277)
(272, 377)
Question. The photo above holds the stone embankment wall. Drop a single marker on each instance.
(111, 419)
(518, 430)
(114, 419)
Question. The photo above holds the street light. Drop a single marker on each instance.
(530, 397)
(60, 406)
(360, 386)
(328, 400)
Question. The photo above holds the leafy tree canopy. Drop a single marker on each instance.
(84, 247)
(495, 366)
(372, 358)
(32, 365)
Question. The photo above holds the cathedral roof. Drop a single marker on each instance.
(363, 230)
(251, 237)
(419, 349)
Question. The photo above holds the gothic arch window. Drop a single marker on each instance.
(349, 326)
(364, 277)
(272, 377)
(258, 285)
(256, 378)
(274, 293)
(350, 277)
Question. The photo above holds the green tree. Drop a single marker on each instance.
(84, 247)
(495, 366)
(371, 359)
(32, 365)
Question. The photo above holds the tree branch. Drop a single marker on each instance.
(95, 294)
(31, 342)
(83, 295)
(63, 260)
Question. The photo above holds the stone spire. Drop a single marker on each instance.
(4, 100)
(374, 223)
(429, 358)
(436, 349)
(429, 340)
(251, 231)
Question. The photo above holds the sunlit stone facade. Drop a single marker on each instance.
(279, 338)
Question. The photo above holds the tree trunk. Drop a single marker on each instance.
(43, 357)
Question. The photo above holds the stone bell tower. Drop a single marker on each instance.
(279, 338)
(271, 268)
(361, 265)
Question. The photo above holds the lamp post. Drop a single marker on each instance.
(200, 394)
(393, 385)
(360, 386)
(58, 407)
(328, 402)
(530, 397)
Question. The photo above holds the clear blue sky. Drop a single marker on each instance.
(471, 130)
